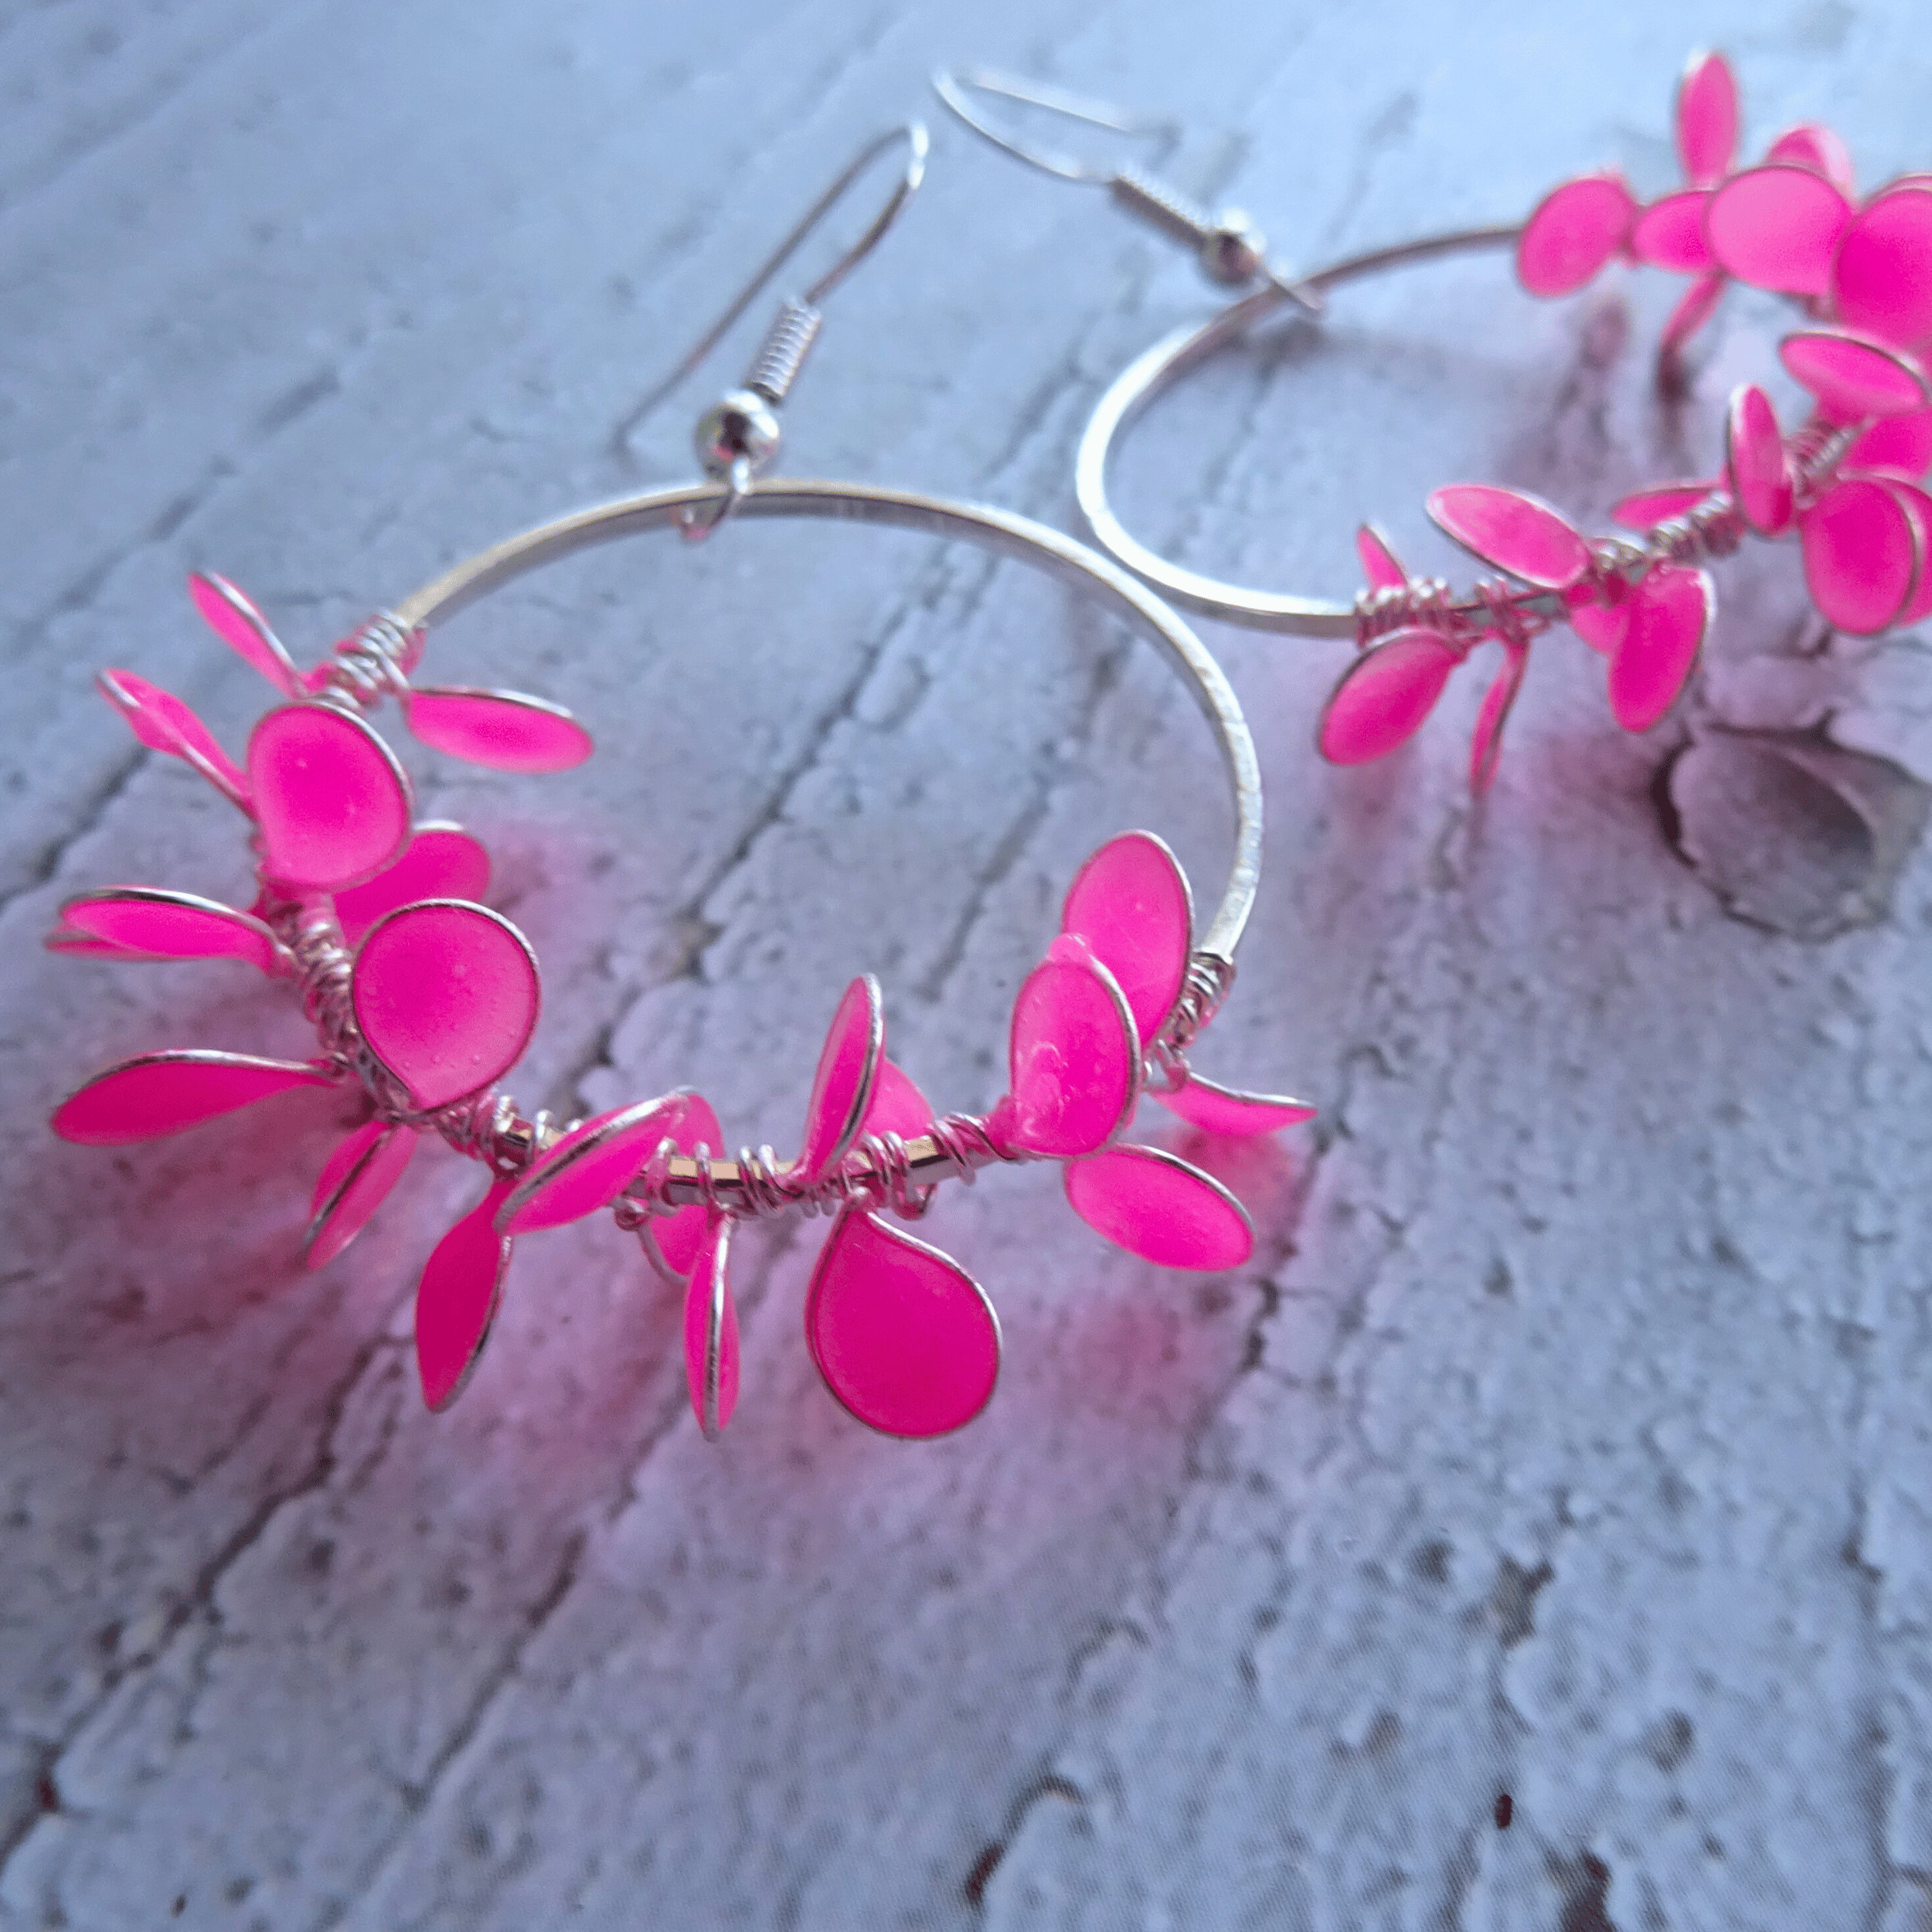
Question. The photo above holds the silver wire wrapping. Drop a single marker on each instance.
(367, 665)
(782, 354)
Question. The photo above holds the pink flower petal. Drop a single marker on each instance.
(1154, 1205)
(234, 619)
(149, 923)
(1670, 610)
(1853, 378)
(506, 729)
(1862, 555)
(1513, 532)
(1131, 902)
(1222, 1111)
(1706, 118)
(1776, 226)
(439, 862)
(1601, 626)
(671, 1242)
(1756, 462)
(1917, 505)
(154, 1094)
(1380, 562)
(1485, 745)
(162, 722)
(1882, 281)
(592, 1165)
(841, 1086)
(1381, 700)
(333, 803)
(446, 996)
(711, 1350)
(1074, 1057)
(355, 1181)
(457, 1300)
(1809, 146)
(1695, 308)
(85, 946)
(1572, 233)
(1669, 233)
(1647, 509)
(1900, 443)
(897, 1105)
(904, 1337)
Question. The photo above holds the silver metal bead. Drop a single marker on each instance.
(1233, 251)
(742, 426)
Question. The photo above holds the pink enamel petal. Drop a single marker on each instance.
(446, 996)
(592, 1165)
(1572, 233)
(1882, 281)
(1131, 902)
(904, 1337)
(1485, 746)
(1809, 146)
(1917, 505)
(1862, 555)
(1645, 509)
(1669, 233)
(1706, 118)
(85, 946)
(841, 1086)
(1694, 309)
(154, 1094)
(162, 722)
(1853, 378)
(897, 1105)
(1381, 700)
(1669, 613)
(1601, 626)
(1900, 443)
(1073, 1055)
(506, 729)
(156, 925)
(457, 1300)
(333, 803)
(1380, 562)
(1233, 1116)
(355, 1181)
(234, 618)
(439, 862)
(1158, 1206)
(1756, 462)
(1513, 532)
(671, 1241)
(711, 1331)
(1776, 226)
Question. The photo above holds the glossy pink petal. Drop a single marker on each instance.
(1154, 1205)
(1645, 509)
(1694, 307)
(1853, 378)
(1513, 532)
(841, 1086)
(1131, 902)
(445, 995)
(355, 1181)
(1073, 1055)
(457, 1300)
(1917, 505)
(1669, 233)
(1862, 555)
(1900, 443)
(592, 1165)
(162, 722)
(333, 803)
(1485, 745)
(1776, 226)
(1809, 146)
(1706, 118)
(1756, 462)
(1573, 233)
(151, 924)
(84, 945)
(1882, 281)
(154, 1094)
(1601, 626)
(711, 1331)
(506, 729)
(1233, 1116)
(1380, 562)
(439, 862)
(897, 1105)
(1670, 611)
(1381, 700)
(671, 1242)
(904, 1337)
(234, 618)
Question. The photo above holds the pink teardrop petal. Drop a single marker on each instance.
(1917, 505)
(1601, 626)
(1669, 233)
(1669, 613)
(1572, 233)
(1131, 902)
(446, 995)
(332, 801)
(162, 722)
(1852, 378)
(897, 1105)
(592, 1165)
(439, 862)
(1513, 532)
(1809, 146)
(1222, 1111)
(711, 1353)
(1706, 117)
(1645, 509)
(1074, 1058)
(1694, 307)
(1882, 281)
(1900, 443)
(155, 924)
(1485, 746)
(1776, 226)
(234, 618)
(1380, 562)
(841, 1086)
(154, 1094)
(1756, 462)
(1154, 1205)
(1381, 700)
(671, 1241)
(904, 1337)
(1861, 556)
(457, 1300)
(506, 729)
(355, 1181)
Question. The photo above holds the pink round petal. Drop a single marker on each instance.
(1694, 307)
(1902, 444)
(1862, 555)
(162, 722)
(1381, 700)
(155, 924)
(446, 996)
(711, 1353)
(1513, 532)
(1706, 118)
(841, 1086)
(1645, 509)
(897, 1105)
(333, 803)
(1572, 233)
(1075, 1059)
(592, 1165)
(506, 729)
(1776, 226)
(1234, 1115)
(1485, 745)
(154, 1094)
(1917, 505)
(1882, 281)
(1131, 902)
(671, 1242)
(1669, 233)
(1853, 378)
(1756, 462)
(439, 862)
(1380, 562)
(234, 619)
(1810, 145)
(457, 1300)
(1601, 626)
(1154, 1205)
(904, 1337)
(355, 1181)
(1669, 613)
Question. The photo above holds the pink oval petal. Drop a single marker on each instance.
(1572, 233)
(1900, 443)
(355, 1181)
(1234, 1115)
(333, 803)
(1756, 462)
(1670, 610)
(1154, 1205)
(1862, 555)
(592, 1165)
(1882, 280)
(711, 1353)
(897, 1105)
(1694, 307)
(1131, 902)
(1852, 378)
(155, 924)
(841, 1086)
(154, 1094)
(671, 1242)
(234, 618)
(1669, 233)
(1645, 509)
(439, 862)
(506, 729)
(446, 996)
(162, 722)
(457, 1300)
(1485, 745)
(1381, 700)
(1917, 505)
(1073, 1055)
(1601, 626)
(1380, 562)
(1810, 145)
(1776, 226)
(1706, 117)
(904, 1337)
(1513, 532)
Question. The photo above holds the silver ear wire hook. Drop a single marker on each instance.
(1229, 248)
